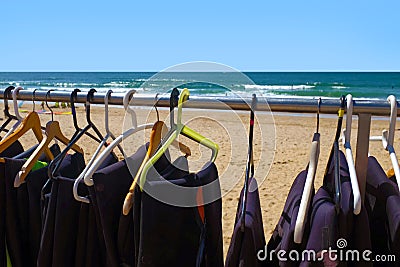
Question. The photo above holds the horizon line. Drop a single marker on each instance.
(152, 71)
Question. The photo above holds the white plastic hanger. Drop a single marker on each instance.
(135, 128)
(349, 156)
(16, 111)
(309, 184)
(388, 136)
(97, 152)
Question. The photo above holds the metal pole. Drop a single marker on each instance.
(276, 104)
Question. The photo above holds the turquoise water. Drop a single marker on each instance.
(328, 84)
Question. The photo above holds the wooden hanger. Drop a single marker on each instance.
(31, 122)
(52, 131)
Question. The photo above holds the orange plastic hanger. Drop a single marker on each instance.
(155, 140)
(52, 131)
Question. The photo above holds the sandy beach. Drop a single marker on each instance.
(283, 144)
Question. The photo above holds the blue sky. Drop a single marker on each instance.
(247, 35)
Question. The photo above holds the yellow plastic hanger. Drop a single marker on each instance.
(180, 129)
(52, 131)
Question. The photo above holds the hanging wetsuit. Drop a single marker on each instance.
(283, 235)
(15, 149)
(171, 235)
(382, 200)
(328, 226)
(111, 184)
(22, 213)
(59, 227)
(246, 244)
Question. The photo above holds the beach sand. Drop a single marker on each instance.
(284, 145)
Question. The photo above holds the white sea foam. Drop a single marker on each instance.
(339, 87)
(277, 87)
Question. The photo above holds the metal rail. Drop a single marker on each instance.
(364, 108)
(277, 104)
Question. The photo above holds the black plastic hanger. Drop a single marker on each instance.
(249, 165)
(56, 163)
(173, 103)
(336, 158)
(7, 93)
(73, 96)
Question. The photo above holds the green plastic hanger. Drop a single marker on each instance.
(180, 129)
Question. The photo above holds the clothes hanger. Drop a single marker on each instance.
(180, 129)
(249, 166)
(52, 131)
(349, 156)
(7, 114)
(97, 152)
(30, 122)
(56, 163)
(135, 128)
(334, 154)
(73, 96)
(173, 103)
(309, 183)
(387, 137)
(16, 111)
(155, 140)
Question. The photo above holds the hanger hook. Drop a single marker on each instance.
(16, 108)
(47, 104)
(106, 98)
(254, 102)
(89, 97)
(318, 112)
(342, 102)
(388, 139)
(74, 95)
(349, 119)
(127, 98)
(173, 102)
(7, 94)
(253, 109)
(182, 98)
(155, 106)
(33, 99)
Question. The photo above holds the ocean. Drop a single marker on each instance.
(374, 85)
